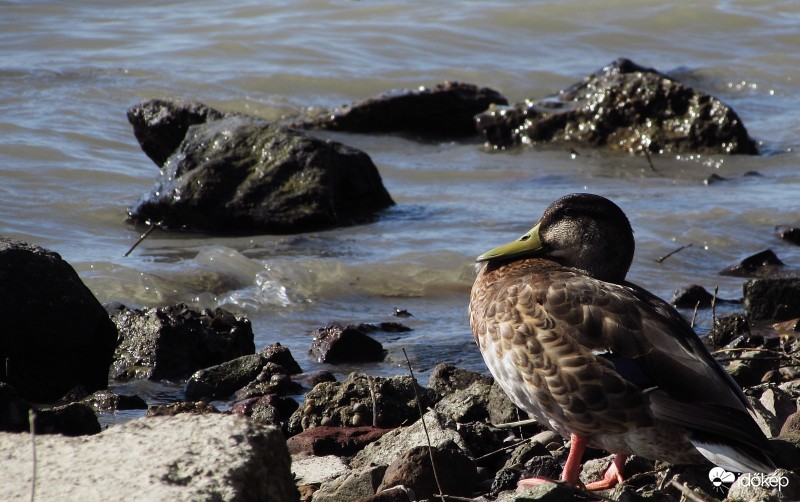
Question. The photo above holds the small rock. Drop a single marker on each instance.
(171, 343)
(762, 264)
(337, 344)
(456, 472)
(223, 380)
(282, 356)
(74, 419)
(396, 402)
(791, 426)
(445, 378)
(105, 401)
(385, 450)
(772, 299)
(692, 296)
(548, 492)
(355, 485)
(394, 494)
(312, 379)
(168, 410)
(790, 234)
(318, 469)
(727, 328)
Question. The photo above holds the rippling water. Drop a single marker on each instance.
(70, 166)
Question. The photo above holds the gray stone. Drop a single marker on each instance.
(356, 484)
(776, 486)
(181, 458)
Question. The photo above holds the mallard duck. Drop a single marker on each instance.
(600, 360)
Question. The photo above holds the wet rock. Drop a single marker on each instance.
(192, 408)
(789, 234)
(223, 380)
(772, 299)
(357, 484)
(314, 378)
(350, 403)
(242, 175)
(446, 110)
(446, 378)
(107, 401)
(389, 447)
(269, 409)
(273, 379)
(280, 355)
(171, 343)
(456, 472)
(341, 441)
(338, 344)
(623, 107)
(692, 296)
(182, 458)
(160, 125)
(727, 328)
(55, 334)
(74, 419)
(762, 264)
(778, 485)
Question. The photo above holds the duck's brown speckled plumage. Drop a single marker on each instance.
(600, 357)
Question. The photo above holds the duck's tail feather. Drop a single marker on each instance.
(734, 458)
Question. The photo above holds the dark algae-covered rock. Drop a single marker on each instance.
(171, 343)
(446, 110)
(762, 264)
(336, 344)
(160, 125)
(240, 174)
(624, 107)
(772, 299)
(55, 335)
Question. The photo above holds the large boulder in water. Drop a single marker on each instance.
(240, 174)
(55, 334)
(624, 107)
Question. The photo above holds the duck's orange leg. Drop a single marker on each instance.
(612, 477)
(572, 467)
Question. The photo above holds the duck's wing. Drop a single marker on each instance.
(652, 346)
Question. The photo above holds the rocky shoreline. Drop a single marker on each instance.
(363, 438)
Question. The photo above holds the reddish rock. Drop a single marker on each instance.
(341, 441)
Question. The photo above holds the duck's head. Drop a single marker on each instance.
(581, 230)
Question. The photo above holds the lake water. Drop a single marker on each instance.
(70, 166)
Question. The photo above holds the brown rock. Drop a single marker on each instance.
(456, 472)
(341, 441)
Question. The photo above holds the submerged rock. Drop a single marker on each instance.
(762, 264)
(446, 110)
(55, 335)
(623, 107)
(789, 234)
(107, 401)
(240, 174)
(171, 343)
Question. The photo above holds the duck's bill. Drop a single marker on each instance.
(528, 244)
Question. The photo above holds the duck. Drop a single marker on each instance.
(600, 360)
